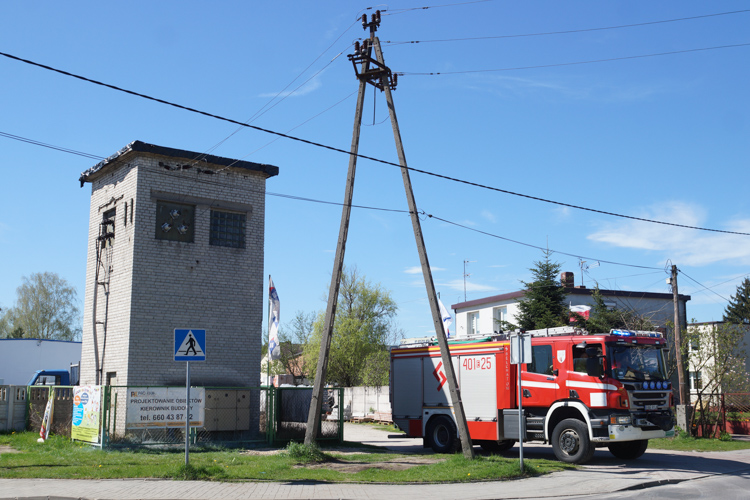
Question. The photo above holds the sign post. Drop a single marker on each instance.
(520, 353)
(185, 341)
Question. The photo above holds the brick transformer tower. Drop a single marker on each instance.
(175, 241)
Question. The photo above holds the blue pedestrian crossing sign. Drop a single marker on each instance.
(189, 344)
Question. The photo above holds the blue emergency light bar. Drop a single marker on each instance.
(635, 333)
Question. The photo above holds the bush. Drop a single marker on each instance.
(725, 436)
(304, 453)
(681, 434)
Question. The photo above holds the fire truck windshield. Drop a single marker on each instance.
(634, 362)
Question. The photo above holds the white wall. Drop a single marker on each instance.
(658, 310)
(20, 358)
(359, 400)
(486, 322)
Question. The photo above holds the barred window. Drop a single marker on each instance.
(227, 229)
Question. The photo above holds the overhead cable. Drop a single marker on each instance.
(385, 162)
(565, 32)
(702, 285)
(50, 146)
(574, 63)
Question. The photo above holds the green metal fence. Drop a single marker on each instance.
(233, 416)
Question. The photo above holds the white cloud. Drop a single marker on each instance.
(563, 212)
(573, 88)
(681, 245)
(308, 87)
(458, 285)
(489, 216)
(418, 269)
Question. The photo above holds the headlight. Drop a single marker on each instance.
(619, 419)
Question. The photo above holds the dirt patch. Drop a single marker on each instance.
(353, 467)
(4, 448)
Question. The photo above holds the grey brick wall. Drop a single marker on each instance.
(157, 285)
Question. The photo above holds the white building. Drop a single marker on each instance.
(20, 358)
(481, 316)
(701, 354)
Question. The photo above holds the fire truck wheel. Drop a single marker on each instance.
(570, 442)
(629, 450)
(441, 433)
(497, 447)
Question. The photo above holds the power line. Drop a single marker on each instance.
(422, 213)
(377, 160)
(268, 105)
(392, 12)
(535, 246)
(574, 63)
(313, 200)
(50, 146)
(702, 285)
(565, 32)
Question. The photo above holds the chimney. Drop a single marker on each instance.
(566, 279)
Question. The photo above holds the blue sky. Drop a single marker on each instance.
(662, 137)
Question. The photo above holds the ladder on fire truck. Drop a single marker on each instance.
(543, 332)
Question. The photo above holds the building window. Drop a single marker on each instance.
(175, 221)
(472, 323)
(227, 229)
(499, 317)
(107, 232)
(696, 382)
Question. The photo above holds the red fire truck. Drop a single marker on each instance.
(581, 391)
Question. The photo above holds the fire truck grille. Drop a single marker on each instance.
(649, 400)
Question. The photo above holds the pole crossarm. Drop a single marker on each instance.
(372, 71)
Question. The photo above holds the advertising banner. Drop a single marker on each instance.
(160, 407)
(87, 407)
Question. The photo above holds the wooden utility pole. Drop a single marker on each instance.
(458, 409)
(374, 72)
(683, 392)
(316, 403)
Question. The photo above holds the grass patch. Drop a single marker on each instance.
(304, 453)
(688, 443)
(58, 457)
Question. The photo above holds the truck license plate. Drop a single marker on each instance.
(650, 407)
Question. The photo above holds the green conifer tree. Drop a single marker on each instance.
(544, 301)
(738, 309)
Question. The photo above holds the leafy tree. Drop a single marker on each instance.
(738, 309)
(45, 309)
(363, 329)
(602, 319)
(717, 359)
(292, 341)
(544, 301)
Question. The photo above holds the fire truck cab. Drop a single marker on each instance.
(581, 391)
